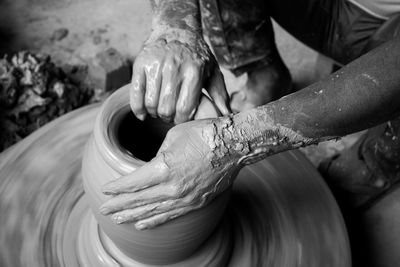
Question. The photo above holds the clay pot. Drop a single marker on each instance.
(120, 143)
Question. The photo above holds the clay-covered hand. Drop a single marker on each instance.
(169, 74)
(185, 175)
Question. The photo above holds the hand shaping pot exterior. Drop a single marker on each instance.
(120, 144)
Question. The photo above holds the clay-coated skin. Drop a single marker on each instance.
(358, 96)
(163, 189)
(174, 65)
(196, 162)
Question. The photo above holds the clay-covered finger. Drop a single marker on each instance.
(189, 94)
(159, 219)
(153, 70)
(143, 212)
(137, 91)
(170, 89)
(138, 199)
(217, 90)
(150, 174)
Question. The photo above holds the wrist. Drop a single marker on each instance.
(192, 42)
(225, 143)
(250, 136)
(178, 15)
(169, 34)
(267, 136)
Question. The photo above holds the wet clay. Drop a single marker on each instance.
(120, 144)
(280, 212)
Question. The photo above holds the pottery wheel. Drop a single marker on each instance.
(281, 212)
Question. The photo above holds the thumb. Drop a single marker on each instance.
(217, 90)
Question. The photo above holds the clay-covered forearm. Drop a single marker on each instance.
(177, 15)
(252, 135)
(363, 94)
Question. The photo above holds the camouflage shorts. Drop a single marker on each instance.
(241, 34)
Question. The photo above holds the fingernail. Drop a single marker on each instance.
(192, 113)
(140, 226)
(178, 120)
(118, 219)
(166, 118)
(107, 191)
(104, 210)
(109, 188)
(141, 116)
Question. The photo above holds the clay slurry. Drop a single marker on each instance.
(141, 139)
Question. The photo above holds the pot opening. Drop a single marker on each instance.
(141, 139)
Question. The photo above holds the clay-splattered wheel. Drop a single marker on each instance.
(281, 213)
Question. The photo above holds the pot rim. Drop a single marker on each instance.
(113, 110)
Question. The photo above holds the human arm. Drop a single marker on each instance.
(196, 160)
(174, 65)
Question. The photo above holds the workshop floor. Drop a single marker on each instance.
(94, 25)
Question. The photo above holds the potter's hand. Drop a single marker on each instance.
(188, 171)
(170, 72)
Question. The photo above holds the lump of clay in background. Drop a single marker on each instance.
(34, 91)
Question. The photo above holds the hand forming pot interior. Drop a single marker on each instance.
(120, 143)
